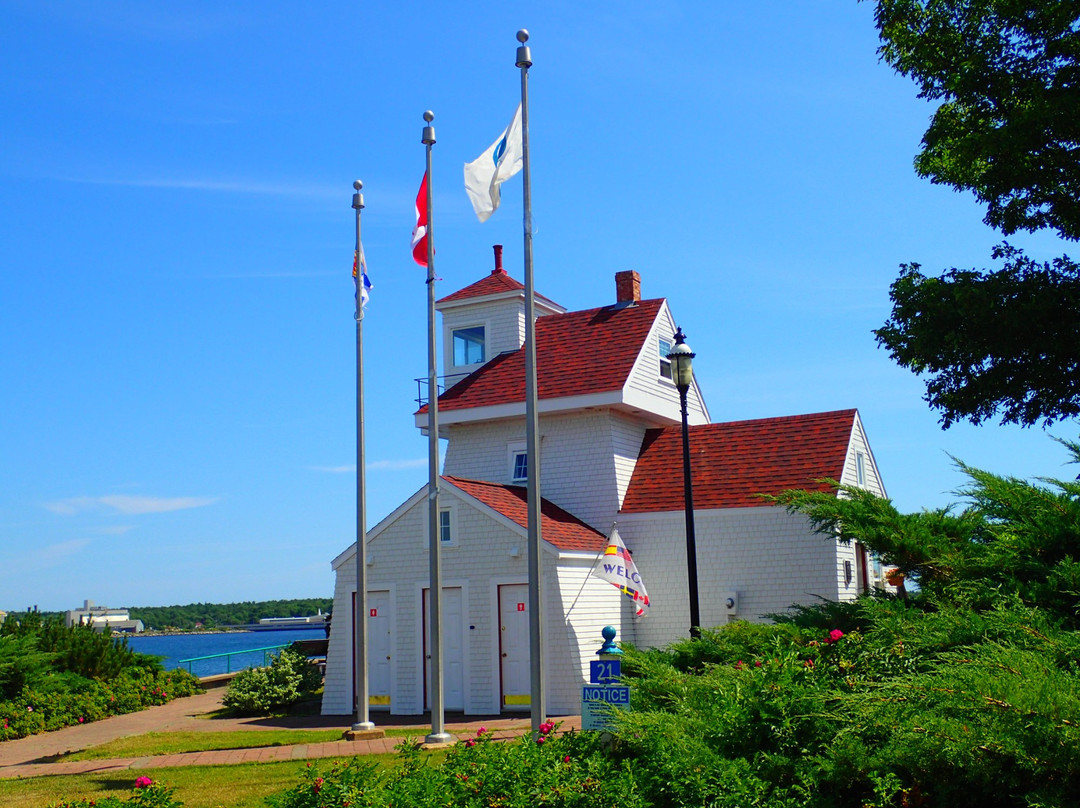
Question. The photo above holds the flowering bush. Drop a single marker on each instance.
(58, 701)
(145, 794)
(564, 770)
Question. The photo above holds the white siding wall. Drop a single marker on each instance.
(586, 459)
(479, 562)
(504, 327)
(588, 604)
(648, 390)
(769, 557)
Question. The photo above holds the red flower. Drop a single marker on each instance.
(143, 782)
(834, 635)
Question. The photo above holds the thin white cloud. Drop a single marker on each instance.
(398, 465)
(115, 530)
(55, 553)
(125, 504)
(306, 191)
(377, 465)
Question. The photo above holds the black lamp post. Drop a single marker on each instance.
(682, 373)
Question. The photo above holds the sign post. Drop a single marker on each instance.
(603, 694)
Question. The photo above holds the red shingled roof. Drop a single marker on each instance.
(560, 528)
(731, 463)
(498, 282)
(612, 336)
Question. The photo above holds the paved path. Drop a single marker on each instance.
(28, 757)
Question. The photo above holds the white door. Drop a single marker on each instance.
(378, 628)
(378, 658)
(453, 655)
(514, 646)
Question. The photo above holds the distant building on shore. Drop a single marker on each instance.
(102, 618)
(277, 623)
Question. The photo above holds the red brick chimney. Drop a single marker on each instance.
(627, 286)
(498, 261)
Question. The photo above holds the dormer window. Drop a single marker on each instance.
(665, 363)
(468, 345)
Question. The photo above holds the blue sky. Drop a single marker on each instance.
(176, 317)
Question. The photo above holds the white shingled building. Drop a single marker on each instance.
(610, 451)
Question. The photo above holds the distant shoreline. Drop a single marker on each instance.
(155, 632)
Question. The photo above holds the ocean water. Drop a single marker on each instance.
(175, 647)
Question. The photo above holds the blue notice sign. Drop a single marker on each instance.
(597, 702)
(616, 695)
(605, 671)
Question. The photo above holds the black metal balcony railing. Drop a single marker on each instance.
(442, 382)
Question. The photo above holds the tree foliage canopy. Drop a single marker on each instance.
(998, 342)
(1008, 75)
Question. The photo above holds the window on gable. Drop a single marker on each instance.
(445, 535)
(665, 363)
(521, 467)
(860, 468)
(468, 345)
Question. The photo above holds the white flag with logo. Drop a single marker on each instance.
(500, 161)
(618, 568)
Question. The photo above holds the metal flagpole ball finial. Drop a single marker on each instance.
(428, 138)
(357, 185)
(524, 57)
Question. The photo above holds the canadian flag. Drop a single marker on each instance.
(420, 232)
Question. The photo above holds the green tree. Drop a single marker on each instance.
(1010, 539)
(1007, 76)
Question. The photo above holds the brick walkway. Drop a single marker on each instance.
(28, 757)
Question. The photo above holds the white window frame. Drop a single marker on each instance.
(860, 469)
(665, 363)
(452, 344)
(451, 527)
(513, 451)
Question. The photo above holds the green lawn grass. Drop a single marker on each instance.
(169, 743)
(245, 785)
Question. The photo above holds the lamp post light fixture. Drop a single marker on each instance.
(682, 373)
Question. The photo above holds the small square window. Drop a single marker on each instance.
(665, 363)
(521, 466)
(468, 345)
(444, 528)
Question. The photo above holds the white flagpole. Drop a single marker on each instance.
(532, 424)
(360, 662)
(438, 733)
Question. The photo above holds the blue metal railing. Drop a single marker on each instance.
(267, 655)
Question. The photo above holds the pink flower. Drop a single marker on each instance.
(80, 719)
(566, 759)
(547, 727)
(317, 787)
(541, 739)
(739, 665)
(470, 743)
(143, 782)
(757, 663)
(481, 731)
(834, 635)
(29, 709)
